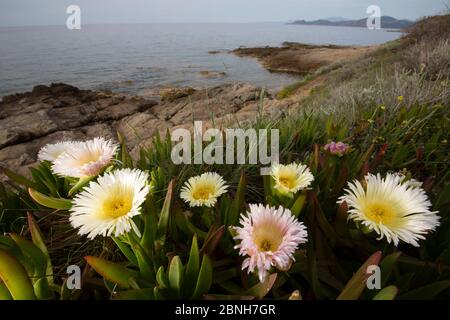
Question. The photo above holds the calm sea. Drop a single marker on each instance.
(128, 58)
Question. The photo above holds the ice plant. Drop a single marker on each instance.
(337, 148)
(51, 152)
(85, 159)
(203, 190)
(268, 238)
(106, 207)
(291, 178)
(394, 208)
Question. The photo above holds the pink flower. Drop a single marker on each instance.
(269, 238)
(338, 148)
(85, 159)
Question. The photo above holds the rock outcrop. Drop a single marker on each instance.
(299, 58)
(58, 112)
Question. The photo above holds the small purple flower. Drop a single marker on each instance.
(337, 148)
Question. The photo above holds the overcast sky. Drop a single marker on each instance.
(53, 12)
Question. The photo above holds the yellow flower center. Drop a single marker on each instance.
(380, 213)
(117, 206)
(203, 192)
(267, 238)
(287, 181)
(88, 157)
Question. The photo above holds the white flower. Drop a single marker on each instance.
(291, 178)
(106, 207)
(203, 190)
(394, 209)
(85, 159)
(269, 237)
(51, 152)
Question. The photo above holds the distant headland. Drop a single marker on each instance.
(386, 23)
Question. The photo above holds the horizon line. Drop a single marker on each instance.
(191, 22)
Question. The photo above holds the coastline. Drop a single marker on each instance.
(299, 58)
(58, 112)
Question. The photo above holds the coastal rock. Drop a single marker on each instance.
(59, 112)
(24, 127)
(212, 74)
(299, 58)
(172, 94)
(140, 127)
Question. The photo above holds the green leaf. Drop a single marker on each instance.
(15, 278)
(298, 205)
(388, 293)
(113, 272)
(127, 252)
(321, 219)
(312, 271)
(144, 261)
(38, 240)
(165, 212)
(357, 283)
(67, 294)
(150, 221)
(21, 180)
(162, 279)
(82, 182)
(4, 292)
(387, 265)
(42, 289)
(176, 275)
(238, 202)
(226, 275)
(50, 202)
(142, 258)
(192, 268)
(205, 277)
(427, 292)
(41, 181)
(8, 244)
(187, 227)
(267, 181)
(33, 253)
(157, 294)
(125, 157)
(340, 222)
(263, 288)
(50, 180)
(211, 242)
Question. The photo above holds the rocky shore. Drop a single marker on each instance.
(301, 58)
(58, 112)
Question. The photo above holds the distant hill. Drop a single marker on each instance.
(386, 23)
(336, 19)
